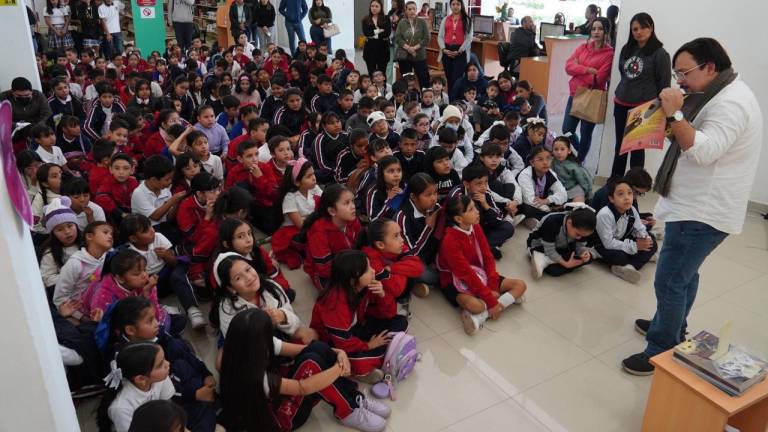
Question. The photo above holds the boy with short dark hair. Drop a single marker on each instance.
(325, 99)
(114, 194)
(377, 149)
(497, 229)
(345, 105)
(100, 115)
(153, 199)
(229, 116)
(359, 119)
(354, 158)
(72, 143)
(86, 211)
(257, 131)
(101, 155)
(410, 158)
(275, 100)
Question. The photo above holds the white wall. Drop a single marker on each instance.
(740, 28)
(343, 16)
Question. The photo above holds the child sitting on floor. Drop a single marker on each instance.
(557, 245)
(299, 194)
(575, 179)
(114, 194)
(340, 315)
(624, 244)
(468, 275)
(541, 189)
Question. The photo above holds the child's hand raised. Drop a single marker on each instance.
(380, 339)
(431, 219)
(96, 315)
(377, 288)
(391, 193)
(69, 307)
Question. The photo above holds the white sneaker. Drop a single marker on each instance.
(627, 272)
(196, 318)
(517, 219)
(374, 406)
(520, 300)
(539, 262)
(364, 420)
(473, 322)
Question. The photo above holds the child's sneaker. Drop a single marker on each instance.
(627, 272)
(364, 420)
(374, 406)
(520, 300)
(473, 322)
(371, 377)
(517, 219)
(196, 318)
(420, 290)
(539, 262)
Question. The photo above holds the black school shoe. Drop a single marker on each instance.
(496, 252)
(638, 364)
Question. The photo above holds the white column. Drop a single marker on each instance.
(35, 395)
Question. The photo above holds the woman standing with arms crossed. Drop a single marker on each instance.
(320, 16)
(395, 14)
(455, 40)
(645, 71)
(411, 39)
(377, 28)
(589, 66)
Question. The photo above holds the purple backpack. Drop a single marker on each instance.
(399, 361)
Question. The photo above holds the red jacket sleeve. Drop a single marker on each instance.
(336, 318)
(273, 272)
(205, 238)
(104, 198)
(488, 260)
(186, 217)
(265, 187)
(572, 65)
(319, 250)
(453, 253)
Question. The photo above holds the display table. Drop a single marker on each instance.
(680, 401)
(547, 74)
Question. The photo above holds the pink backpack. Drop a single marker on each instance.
(399, 361)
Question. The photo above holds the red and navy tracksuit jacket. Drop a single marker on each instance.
(419, 237)
(458, 253)
(326, 150)
(94, 122)
(393, 271)
(346, 162)
(324, 241)
(189, 215)
(115, 197)
(264, 188)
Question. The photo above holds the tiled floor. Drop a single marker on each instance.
(553, 363)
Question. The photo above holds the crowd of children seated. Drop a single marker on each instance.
(168, 173)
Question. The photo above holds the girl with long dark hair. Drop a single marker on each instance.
(645, 69)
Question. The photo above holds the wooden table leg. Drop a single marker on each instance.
(674, 407)
(752, 419)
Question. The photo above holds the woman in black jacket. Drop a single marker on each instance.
(377, 28)
(263, 23)
(645, 70)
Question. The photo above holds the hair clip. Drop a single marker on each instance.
(115, 376)
(536, 120)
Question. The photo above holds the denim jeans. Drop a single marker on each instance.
(583, 142)
(260, 37)
(686, 245)
(294, 29)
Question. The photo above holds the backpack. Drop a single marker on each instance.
(399, 361)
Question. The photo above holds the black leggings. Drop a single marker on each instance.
(557, 269)
(637, 157)
(417, 66)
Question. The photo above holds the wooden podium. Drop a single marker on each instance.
(681, 401)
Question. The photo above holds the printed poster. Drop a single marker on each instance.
(645, 129)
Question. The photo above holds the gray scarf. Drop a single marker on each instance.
(691, 107)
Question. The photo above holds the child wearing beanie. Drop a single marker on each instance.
(61, 223)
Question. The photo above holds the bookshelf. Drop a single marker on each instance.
(204, 18)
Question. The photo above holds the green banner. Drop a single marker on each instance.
(148, 25)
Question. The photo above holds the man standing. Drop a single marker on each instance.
(109, 13)
(294, 11)
(704, 183)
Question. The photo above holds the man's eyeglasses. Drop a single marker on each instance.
(681, 75)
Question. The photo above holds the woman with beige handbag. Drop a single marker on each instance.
(590, 68)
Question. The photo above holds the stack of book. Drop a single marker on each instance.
(731, 369)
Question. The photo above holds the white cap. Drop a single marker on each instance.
(450, 111)
(374, 117)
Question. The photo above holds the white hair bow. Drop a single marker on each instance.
(577, 205)
(115, 377)
(536, 120)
